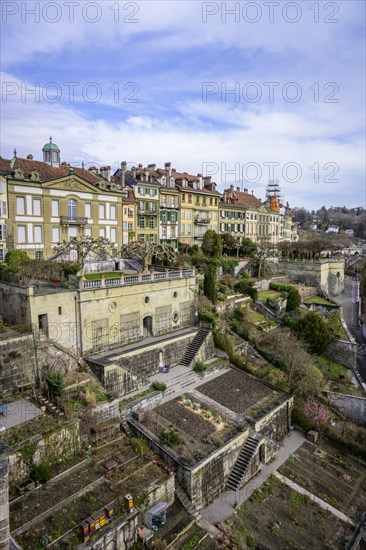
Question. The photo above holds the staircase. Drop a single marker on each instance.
(186, 503)
(126, 428)
(240, 467)
(194, 347)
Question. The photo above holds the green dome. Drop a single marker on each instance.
(50, 146)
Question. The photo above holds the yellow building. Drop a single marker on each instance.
(199, 207)
(49, 202)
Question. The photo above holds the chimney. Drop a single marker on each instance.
(30, 157)
(133, 170)
(140, 165)
(238, 189)
(168, 170)
(200, 181)
(151, 166)
(123, 174)
(147, 175)
(206, 180)
(245, 190)
(105, 172)
(93, 170)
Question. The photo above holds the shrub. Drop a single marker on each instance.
(172, 437)
(55, 383)
(199, 366)
(159, 386)
(293, 300)
(140, 446)
(41, 473)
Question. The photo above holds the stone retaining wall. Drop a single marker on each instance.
(17, 362)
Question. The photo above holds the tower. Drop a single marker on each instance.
(51, 154)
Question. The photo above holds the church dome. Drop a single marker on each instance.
(51, 146)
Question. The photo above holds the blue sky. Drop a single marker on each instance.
(149, 81)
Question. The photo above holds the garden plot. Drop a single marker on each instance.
(277, 517)
(199, 426)
(237, 391)
(330, 475)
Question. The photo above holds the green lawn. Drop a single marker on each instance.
(268, 294)
(317, 300)
(330, 368)
(107, 275)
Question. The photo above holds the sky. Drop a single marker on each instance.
(246, 91)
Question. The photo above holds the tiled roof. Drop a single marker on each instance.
(46, 172)
(241, 198)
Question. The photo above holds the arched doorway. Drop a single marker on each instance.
(148, 326)
(262, 453)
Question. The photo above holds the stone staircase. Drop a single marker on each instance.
(186, 503)
(194, 347)
(241, 466)
(126, 428)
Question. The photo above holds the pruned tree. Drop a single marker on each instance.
(84, 248)
(211, 244)
(145, 251)
(265, 250)
(287, 352)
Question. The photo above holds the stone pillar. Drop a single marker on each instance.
(102, 281)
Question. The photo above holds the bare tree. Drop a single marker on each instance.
(145, 251)
(85, 248)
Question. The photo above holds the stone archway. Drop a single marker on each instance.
(262, 453)
(148, 326)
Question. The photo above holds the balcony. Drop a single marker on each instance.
(144, 212)
(201, 221)
(73, 220)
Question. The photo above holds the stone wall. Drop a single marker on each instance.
(14, 304)
(122, 533)
(353, 407)
(4, 503)
(343, 352)
(133, 368)
(326, 274)
(276, 423)
(17, 362)
(60, 444)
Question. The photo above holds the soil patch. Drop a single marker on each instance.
(237, 391)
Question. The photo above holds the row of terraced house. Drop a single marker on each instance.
(46, 202)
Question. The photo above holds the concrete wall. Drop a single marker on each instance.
(353, 407)
(343, 352)
(17, 362)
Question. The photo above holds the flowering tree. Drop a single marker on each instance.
(317, 412)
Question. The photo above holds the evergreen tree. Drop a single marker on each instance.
(209, 283)
(293, 300)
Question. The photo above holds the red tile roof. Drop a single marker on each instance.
(46, 172)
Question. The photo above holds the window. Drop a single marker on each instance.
(151, 223)
(101, 211)
(113, 235)
(71, 209)
(215, 216)
(182, 229)
(39, 255)
(172, 202)
(142, 223)
(21, 234)
(163, 217)
(88, 210)
(55, 235)
(183, 198)
(189, 229)
(2, 186)
(2, 209)
(189, 216)
(102, 232)
(21, 206)
(37, 233)
(152, 238)
(54, 208)
(130, 213)
(88, 232)
(130, 227)
(60, 310)
(210, 201)
(190, 198)
(3, 232)
(36, 207)
(124, 226)
(113, 212)
(183, 214)
(173, 217)
(163, 200)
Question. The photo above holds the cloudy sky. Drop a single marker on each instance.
(242, 91)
